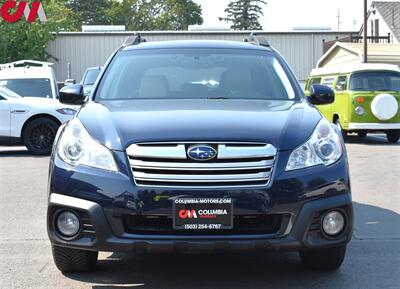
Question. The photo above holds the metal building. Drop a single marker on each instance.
(302, 49)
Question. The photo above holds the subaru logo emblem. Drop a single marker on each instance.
(201, 152)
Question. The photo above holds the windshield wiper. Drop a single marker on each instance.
(384, 89)
(217, 97)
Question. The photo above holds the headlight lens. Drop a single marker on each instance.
(76, 147)
(68, 224)
(333, 223)
(324, 147)
(360, 110)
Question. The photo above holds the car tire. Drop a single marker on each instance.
(342, 131)
(38, 135)
(393, 136)
(323, 259)
(361, 134)
(69, 260)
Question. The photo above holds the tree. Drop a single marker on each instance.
(90, 12)
(23, 40)
(155, 14)
(178, 14)
(244, 14)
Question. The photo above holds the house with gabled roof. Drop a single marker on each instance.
(345, 53)
(384, 19)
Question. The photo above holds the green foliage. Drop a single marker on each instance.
(244, 14)
(155, 14)
(90, 12)
(178, 14)
(22, 40)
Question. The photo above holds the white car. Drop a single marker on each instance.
(31, 120)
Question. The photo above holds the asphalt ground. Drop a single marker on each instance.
(372, 261)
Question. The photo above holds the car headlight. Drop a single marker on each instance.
(323, 147)
(359, 110)
(66, 111)
(76, 147)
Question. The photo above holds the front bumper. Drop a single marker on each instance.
(374, 126)
(102, 199)
(300, 233)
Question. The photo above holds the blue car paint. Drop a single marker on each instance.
(284, 124)
(117, 124)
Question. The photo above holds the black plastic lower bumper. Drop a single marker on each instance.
(301, 233)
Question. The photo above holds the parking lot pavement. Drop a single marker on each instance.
(373, 259)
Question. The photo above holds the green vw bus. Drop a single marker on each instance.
(367, 98)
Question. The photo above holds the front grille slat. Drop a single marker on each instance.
(177, 151)
(139, 164)
(237, 152)
(236, 165)
(201, 178)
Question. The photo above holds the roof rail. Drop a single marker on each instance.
(257, 40)
(26, 63)
(133, 40)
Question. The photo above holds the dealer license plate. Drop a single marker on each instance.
(202, 214)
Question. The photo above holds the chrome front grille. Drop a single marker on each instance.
(236, 165)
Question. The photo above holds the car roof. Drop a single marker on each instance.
(26, 72)
(353, 68)
(197, 44)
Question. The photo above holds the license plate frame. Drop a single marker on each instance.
(202, 214)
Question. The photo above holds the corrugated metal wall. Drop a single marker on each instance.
(301, 49)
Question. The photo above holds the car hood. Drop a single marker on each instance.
(117, 124)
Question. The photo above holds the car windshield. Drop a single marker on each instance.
(91, 76)
(32, 87)
(375, 81)
(195, 73)
(4, 91)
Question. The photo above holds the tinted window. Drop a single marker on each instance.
(341, 83)
(195, 73)
(91, 76)
(34, 87)
(375, 80)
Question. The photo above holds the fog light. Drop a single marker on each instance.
(360, 110)
(68, 224)
(333, 223)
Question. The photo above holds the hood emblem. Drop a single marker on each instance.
(201, 152)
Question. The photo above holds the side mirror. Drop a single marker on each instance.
(72, 94)
(321, 94)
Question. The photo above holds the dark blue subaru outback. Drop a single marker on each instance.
(198, 145)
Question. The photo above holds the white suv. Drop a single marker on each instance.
(29, 108)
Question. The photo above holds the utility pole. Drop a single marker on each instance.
(338, 19)
(365, 30)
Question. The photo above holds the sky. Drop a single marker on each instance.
(283, 15)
